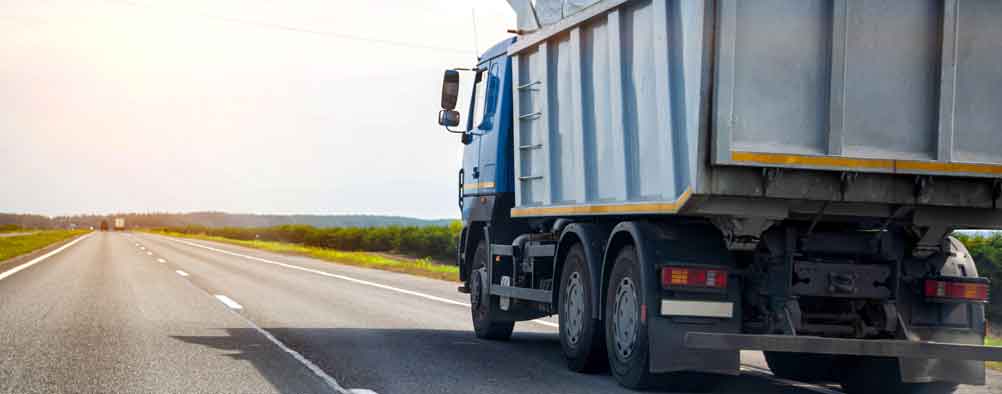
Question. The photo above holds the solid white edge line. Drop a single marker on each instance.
(763, 373)
(319, 373)
(345, 278)
(182, 273)
(331, 382)
(228, 301)
(39, 259)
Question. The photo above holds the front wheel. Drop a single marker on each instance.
(483, 306)
(625, 331)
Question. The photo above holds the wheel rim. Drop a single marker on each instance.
(573, 308)
(624, 319)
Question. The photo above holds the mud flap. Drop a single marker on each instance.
(659, 244)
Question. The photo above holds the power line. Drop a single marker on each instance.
(296, 29)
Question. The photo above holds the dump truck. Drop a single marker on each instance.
(682, 180)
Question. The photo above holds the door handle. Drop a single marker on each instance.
(476, 172)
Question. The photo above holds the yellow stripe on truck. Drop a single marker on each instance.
(850, 162)
(480, 185)
(605, 209)
(814, 161)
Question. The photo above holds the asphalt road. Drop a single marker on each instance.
(137, 313)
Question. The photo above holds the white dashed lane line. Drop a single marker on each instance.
(163, 261)
(182, 273)
(149, 253)
(228, 302)
(347, 278)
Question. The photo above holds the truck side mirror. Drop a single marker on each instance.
(448, 118)
(450, 91)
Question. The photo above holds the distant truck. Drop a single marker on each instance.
(119, 224)
(682, 180)
(104, 225)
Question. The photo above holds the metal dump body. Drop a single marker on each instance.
(888, 86)
(629, 107)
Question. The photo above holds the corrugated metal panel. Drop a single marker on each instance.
(601, 106)
(906, 86)
(612, 113)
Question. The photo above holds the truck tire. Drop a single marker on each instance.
(485, 308)
(804, 367)
(879, 375)
(625, 330)
(580, 335)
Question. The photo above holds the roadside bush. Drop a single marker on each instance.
(987, 253)
(436, 242)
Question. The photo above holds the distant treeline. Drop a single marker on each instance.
(986, 249)
(436, 242)
(215, 220)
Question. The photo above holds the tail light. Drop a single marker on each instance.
(688, 277)
(946, 289)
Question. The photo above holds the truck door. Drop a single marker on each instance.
(489, 127)
(469, 176)
(480, 154)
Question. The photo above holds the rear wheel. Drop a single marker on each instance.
(625, 331)
(804, 367)
(484, 307)
(580, 335)
(877, 375)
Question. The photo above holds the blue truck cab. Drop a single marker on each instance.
(487, 155)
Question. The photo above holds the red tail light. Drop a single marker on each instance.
(964, 291)
(693, 277)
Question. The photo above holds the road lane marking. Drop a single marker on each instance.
(331, 382)
(182, 273)
(39, 259)
(228, 301)
(149, 253)
(346, 278)
(319, 373)
(161, 261)
(765, 373)
(142, 247)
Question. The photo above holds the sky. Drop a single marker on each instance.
(250, 106)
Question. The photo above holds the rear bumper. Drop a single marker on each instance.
(837, 346)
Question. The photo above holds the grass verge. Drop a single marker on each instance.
(992, 341)
(11, 247)
(418, 267)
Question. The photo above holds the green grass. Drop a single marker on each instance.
(419, 267)
(11, 247)
(10, 228)
(992, 341)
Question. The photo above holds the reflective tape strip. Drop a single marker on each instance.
(697, 308)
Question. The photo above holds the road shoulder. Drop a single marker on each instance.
(14, 262)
